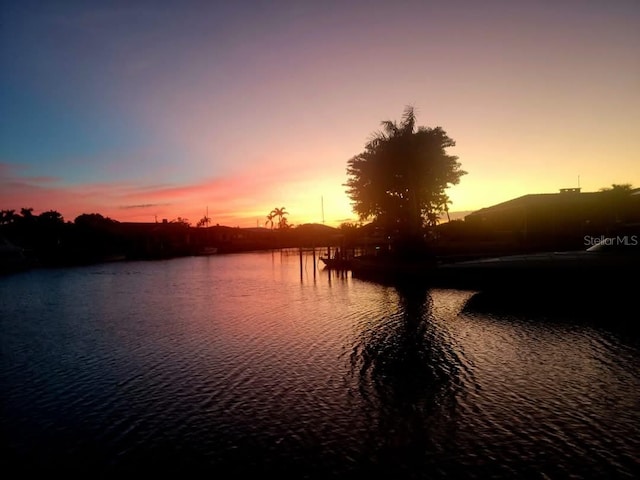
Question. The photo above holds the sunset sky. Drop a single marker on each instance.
(141, 110)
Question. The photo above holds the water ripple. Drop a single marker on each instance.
(241, 363)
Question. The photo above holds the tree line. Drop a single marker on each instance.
(398, 183)
(49, 239)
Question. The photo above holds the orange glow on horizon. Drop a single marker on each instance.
(241, 200)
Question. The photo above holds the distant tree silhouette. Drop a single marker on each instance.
(445, 207)
(615, 197)
(25, 222)
(283, 223)
(27, 216)
(20, 228)
(182, 221)
(346, 226)
(400, 178)
(42, 235)
(350, 232)
(7, 217)
(203, 222)
(618, 187)
(51, 218)
(269, 221)
(94, 220)
(280, 214)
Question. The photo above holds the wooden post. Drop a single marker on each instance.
(314, 262)
(300, 262)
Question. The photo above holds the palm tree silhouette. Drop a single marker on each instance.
(204, 221)
(270, 220)
(280, 213)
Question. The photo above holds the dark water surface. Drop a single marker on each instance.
(241, 364)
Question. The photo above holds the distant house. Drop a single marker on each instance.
(559, 219)
(156, 240)
(227, 239)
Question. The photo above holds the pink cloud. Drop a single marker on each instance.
(232, 200)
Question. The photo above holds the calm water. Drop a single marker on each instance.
(243, 364)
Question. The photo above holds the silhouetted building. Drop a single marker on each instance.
(559, 220)
(155, 240)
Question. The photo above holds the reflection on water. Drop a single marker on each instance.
(406, 372)
(397, 358)
(260, 364)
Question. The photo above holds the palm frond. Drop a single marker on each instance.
(408, 119)
(390, 128)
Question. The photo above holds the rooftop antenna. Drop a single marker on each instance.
(322, 206)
